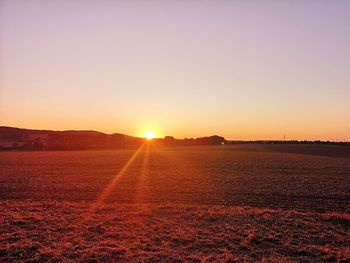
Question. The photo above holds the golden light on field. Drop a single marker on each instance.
(149, 135)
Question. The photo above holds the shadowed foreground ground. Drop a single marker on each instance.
(65, 231)
(239, 175)
(197, 204)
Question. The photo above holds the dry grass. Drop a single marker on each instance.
(200, 204)
(44, 231)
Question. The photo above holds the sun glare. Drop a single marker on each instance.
(149, 135)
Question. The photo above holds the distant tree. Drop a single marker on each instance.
(212, 140)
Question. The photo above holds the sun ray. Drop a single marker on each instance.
(140, 194)
(105, 193)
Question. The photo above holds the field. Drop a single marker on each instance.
(199, 204)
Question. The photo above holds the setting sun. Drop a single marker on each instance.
(149, 135)
(174, 131)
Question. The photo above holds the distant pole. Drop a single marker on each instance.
(284, 137)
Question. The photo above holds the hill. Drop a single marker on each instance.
(12, 138)
(26, 139)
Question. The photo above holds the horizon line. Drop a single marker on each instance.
(184, 138)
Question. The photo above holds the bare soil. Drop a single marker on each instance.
(195, 204)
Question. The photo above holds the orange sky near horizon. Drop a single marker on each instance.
(243, 70)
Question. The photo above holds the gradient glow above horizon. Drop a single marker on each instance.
(241, 69)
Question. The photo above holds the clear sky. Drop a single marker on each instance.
(241, 69)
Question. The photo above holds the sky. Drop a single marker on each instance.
(246, 70)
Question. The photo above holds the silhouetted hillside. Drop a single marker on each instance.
(26, 139)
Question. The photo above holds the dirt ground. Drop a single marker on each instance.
(73, 231)
(198, 204)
